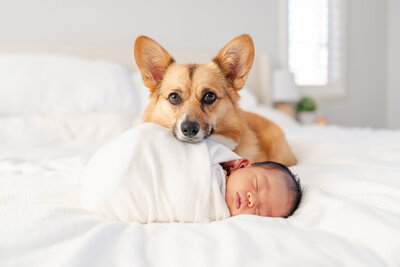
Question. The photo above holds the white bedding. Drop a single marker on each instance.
(350, 214)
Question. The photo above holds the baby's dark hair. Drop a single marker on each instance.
(295, 186)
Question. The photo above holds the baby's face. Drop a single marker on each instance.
(256, 190)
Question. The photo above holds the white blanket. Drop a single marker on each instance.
(147, 175)
(350, 214)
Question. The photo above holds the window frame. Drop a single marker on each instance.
(332, 89)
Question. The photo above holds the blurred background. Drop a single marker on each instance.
(344, 54)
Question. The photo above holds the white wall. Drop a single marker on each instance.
(393, 64)
(365, 100)
(206, 26)
(202, 26)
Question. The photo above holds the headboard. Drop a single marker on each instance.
(258, 81)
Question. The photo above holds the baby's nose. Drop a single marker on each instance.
(251, 199)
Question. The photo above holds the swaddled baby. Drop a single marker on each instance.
(147, 175)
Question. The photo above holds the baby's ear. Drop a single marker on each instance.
(243, 164)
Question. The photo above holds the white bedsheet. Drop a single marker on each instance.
(350, 215)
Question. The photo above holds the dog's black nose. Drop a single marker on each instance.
(190, 128)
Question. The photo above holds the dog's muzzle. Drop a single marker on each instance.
(190, 128)
(191, 131)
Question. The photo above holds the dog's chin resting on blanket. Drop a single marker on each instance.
(147, 175)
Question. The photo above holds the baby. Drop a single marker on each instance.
(147, 175)
(265, 188)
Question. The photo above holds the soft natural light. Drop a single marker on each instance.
(308, 41)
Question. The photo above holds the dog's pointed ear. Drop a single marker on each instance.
(152, 60)
(235, 60)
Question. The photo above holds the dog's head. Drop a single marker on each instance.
(194, 100)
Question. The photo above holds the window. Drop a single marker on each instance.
(315, 45)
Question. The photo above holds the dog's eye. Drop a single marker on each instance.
(209, 98)
(174, 99)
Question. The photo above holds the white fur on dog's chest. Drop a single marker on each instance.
(224, 140)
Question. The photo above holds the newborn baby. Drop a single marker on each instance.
(263, 188)
(147, 175)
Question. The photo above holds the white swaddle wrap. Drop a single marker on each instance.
(147, 175)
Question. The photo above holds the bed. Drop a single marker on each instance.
(57, 110)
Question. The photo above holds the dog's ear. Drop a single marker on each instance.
(236, 59)
(152, 61)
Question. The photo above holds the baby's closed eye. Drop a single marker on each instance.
(255, 184)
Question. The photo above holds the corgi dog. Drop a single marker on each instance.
(199, 101)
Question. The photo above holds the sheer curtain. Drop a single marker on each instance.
(316, 44)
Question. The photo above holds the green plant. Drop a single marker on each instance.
(306, 104)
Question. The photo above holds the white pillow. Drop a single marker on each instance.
(48, 98)
(43, 83)
(247, 99)
(94, 128)
(142, 92)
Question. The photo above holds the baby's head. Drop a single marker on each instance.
(264, 188)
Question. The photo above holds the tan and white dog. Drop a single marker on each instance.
(199, 101)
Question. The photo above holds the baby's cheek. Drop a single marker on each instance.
(228, 204)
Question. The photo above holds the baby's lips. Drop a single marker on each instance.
(238, 201)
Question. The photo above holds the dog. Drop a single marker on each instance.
(199, 101)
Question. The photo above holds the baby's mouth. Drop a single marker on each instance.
(238, 201)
